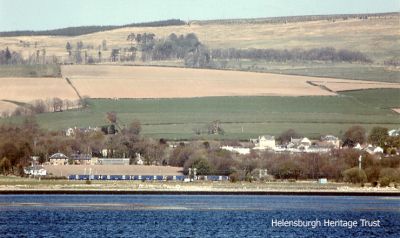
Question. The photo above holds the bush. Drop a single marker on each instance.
(390, 174)
(234, 177)
(372, 173)
(354, 175)
(384, 181)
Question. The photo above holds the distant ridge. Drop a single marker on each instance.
(83, 30)
(288, 19)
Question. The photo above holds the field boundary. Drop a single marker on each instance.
(74, 88)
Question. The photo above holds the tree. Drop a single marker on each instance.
(131, 37)
(104, 45)
(134, 128)
(287, 135)
(79, 45)
(5, 166)
(68, 47)
(354, 135)
(355, 175)
(112, 117)
(8, 55)
(114, 54)
(378, 136)
(57, 105)
(215, 128)
(202, 166)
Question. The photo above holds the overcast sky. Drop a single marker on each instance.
(51, 14)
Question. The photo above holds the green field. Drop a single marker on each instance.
(39, 70)
(370, 72)
(241, 117)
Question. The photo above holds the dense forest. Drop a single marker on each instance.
(82, 30)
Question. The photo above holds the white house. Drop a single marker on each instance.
(373, 150)
(36, 170)
(239, 150)
(394, 132)
(305, 141)
(265, 142)
(358, 147)
(139, 160)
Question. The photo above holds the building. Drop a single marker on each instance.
(85, 159)
(72, 131)
(265, 142)
(394, 132)
(113, 161)
(332, 140)
(373, 150)
(36, 170)
(58, 159)
(239, 150)
(139, 160)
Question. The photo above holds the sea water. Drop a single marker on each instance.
(198, 216)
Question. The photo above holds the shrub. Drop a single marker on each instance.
(390, 174)
(384, 181)
(234, 177)
(372, 174)
(354, 175)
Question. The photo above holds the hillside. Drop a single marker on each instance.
(375, 36)
(313, 91)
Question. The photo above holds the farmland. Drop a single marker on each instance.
(164, 82)
(241, 117)
(314, 97)
(23, 89)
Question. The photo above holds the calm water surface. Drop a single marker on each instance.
(193, 216)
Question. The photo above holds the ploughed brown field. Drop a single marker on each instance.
(109, 81)
(29, 89)
(65, 170)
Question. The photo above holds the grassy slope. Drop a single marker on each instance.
(176, 118)
(378, 37)
(321, 69)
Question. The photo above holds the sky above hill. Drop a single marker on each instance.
(51, 14)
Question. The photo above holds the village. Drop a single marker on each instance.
(106, 165)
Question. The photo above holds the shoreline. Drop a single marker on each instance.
(197, 192)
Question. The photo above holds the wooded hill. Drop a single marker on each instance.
(82, 30)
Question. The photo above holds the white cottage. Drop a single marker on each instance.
(36, 170)
(265, 142)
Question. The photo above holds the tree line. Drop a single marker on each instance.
(292, 19)
(83, 30)
(10, 57)
(42, 106)
(315, 54)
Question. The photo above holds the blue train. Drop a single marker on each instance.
(145, 177)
